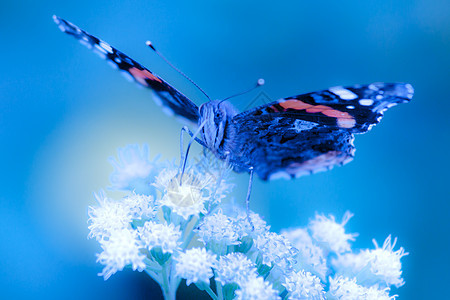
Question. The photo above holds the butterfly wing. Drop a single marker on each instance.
(355, 109)
(282, 147)
(312, 132)
(172, 100)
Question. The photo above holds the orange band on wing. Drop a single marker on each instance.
(294, 104)
(344, 119)
(141, 75)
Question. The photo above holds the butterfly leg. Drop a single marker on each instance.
(247, 199)
(193, 138)
(183, 130)
(187, 130)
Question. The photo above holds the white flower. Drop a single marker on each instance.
(121, 249)
(108, 217)
(331, 235)
(303, 285)
(385, 263)
(239, 252)
(164, 177)
(256, 289)
(310, 257)
(218, 228)
(244, 228)
(377, 266)
(195, 265)
(221, 190)
(275, 248)
(373, 293)
(234, 268)
(342, 288)
(133, 170)
(160, 235)
(219, 171)
(186, 199)
(140, 206)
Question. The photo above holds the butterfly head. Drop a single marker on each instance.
(215, 116)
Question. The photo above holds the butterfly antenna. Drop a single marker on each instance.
(148, 43)
(259, 83)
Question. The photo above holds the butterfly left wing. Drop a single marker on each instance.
(312, 132)
(172, 100)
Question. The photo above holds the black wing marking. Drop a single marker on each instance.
(283, 147)
(170, 98)
(355, 109)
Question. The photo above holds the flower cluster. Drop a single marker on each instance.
(180, 226)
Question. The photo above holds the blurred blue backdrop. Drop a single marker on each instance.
(64, 111)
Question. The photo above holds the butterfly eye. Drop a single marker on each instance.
(217, 117)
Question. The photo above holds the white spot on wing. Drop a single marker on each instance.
(168, 111)
(366, 102)
(62, 27)
(350, 107)
(346, 123)
(105, 46)
(279, 175)
(157, 99)
(101, 54)
(343, 93)
(391, 104)
(410, 90)
(277, 120)
(347, 160)
(301, 173)
(127, 76)
(322, 169)
(113, 65)
(86, 43)
(300, 125)
(100, 49)
(373, 87)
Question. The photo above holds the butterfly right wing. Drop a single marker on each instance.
(311, 132)
(172, 100)
(353, 108)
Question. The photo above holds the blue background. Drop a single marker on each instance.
(63, 112)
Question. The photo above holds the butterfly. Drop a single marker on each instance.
(287, 138)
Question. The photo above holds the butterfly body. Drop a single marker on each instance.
(287, 138)
(216, 119)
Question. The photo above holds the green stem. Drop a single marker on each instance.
(210, 292)
(152, 264)
(153, 275)
(189, 236)
(169, 294)
(219, 290)
(165, 279)
(174, 281)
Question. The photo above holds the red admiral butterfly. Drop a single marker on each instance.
(287, 138)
